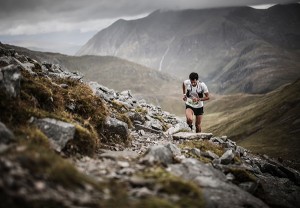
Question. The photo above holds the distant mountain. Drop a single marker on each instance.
(115, 73)
(233, 49)
(268, 124)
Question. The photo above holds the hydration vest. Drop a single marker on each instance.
(199, 90)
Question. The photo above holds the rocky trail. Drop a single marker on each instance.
(153, 160)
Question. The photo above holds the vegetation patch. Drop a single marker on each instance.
(203, 145)
(241, 175)
(42, 97)
(175, 190)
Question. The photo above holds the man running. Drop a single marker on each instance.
(194, 93)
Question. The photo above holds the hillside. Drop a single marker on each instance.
(67, 143)
(233, 49)
(267, 124)
(153, 86)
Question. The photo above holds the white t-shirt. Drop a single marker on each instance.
(200, 87)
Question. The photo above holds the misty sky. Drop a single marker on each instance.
(65, 25)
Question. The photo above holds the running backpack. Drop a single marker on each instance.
(199, 90)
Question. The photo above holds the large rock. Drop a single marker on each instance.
(6, 136)
(10, 80)
(217, 192)
(182, 126)
(58, 132)
(163, 154)
(227, 157)
(115, 130)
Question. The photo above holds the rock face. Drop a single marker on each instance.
(234, 49)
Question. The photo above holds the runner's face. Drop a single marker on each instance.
(194, 82)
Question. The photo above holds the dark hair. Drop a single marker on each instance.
(193, 76)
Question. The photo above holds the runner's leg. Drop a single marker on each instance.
(198, 123)
(189, 116)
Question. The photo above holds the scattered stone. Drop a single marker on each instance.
(191, 136)
(227, 157)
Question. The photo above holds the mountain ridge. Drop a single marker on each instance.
(243, 40)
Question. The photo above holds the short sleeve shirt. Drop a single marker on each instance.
(200, 87)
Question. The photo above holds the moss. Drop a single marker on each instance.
(154, 202)
(189, 194)
(120, 107)
(141, 110)
(123, 117)
(43, 162)
(40, 97)
(32, 135)
(203, 145)
(241, 175)
(85, 142)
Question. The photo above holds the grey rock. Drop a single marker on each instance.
(209, 154)
(191, 136)
(227, 157)
(155, 124)
(147, 129)
(218, 140)
(279, 192)
(241, 151)
(6, 136)
(217, 192)
(58, 132)
(10, 80)
(116, 155)
(182, 126)
(196, 152)
(158, 154)
(174, 149)
(135, 116)
(249, 186)
(115, 130)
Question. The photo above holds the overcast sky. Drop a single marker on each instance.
(73, 22)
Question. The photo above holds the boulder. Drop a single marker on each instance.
(6, 136)
(159, 154)
(227, 157)
(10, 80)
(217, 192)
(58, 132)
(115, 130)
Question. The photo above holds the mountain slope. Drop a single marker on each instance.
(151, 85)
(267, 124)
(233, 49)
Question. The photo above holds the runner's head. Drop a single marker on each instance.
(194, 78)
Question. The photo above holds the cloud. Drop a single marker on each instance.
(43, 16)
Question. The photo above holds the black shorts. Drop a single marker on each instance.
(197, 111)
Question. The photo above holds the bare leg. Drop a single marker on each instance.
(198, 123)
(189, 116)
